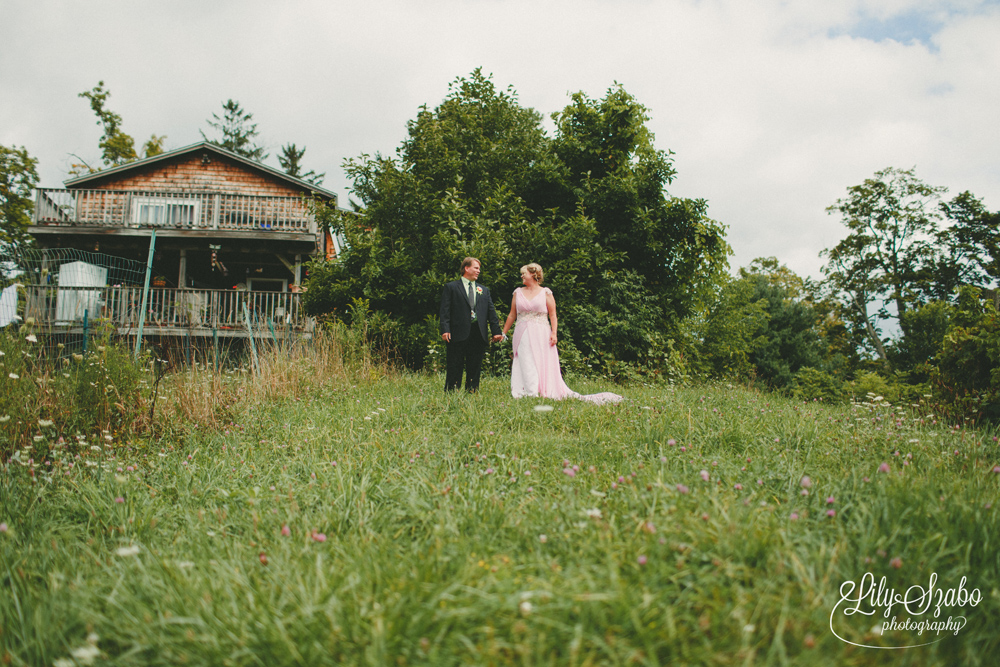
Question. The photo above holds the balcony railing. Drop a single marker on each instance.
(182, 310)
(185, 210)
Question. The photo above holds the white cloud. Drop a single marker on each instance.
(773, 108)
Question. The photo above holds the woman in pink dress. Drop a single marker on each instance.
(535, 371)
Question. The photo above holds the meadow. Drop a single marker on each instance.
(365, 517)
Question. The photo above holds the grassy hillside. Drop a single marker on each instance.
(379, 521)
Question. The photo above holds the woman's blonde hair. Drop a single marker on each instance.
(536, 272)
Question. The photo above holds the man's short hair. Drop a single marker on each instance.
(466, 263)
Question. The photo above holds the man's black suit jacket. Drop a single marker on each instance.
(456, 316)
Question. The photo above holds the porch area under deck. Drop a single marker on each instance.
(169, 312)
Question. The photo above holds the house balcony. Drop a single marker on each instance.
(216, 215)
(169, 312)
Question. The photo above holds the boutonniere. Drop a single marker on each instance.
(479, 290)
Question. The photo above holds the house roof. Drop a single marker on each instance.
(201, 146)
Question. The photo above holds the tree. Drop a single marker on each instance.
(732, 330)
(791, 338)
(478, 176)
(237, 130)
(18, 177)
(893, 222)
(116, 147)
(291, 161)
(969, 247)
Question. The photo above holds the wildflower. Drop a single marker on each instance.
(285, 530)
(45, 422)
(884, 467)
(543, 538)
(31, 338)
(3, 527)
(831, 513)
(263, 558)
(896, 562)
(641, 560)
(525, 607)
(318, 537)
(749, 628)
(806, 482)
(13, 376)
(671, 442)
(127, 551)
(594, 513)
(794, 516)
(489, 471)
(682, 489)
(996, 469)
(663, 459)
(704, 475)
(119, 500)
(649, 527)
(569, 472)
(831, 500)
(738, 487)
(5, 418)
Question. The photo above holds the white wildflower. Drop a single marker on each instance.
(127, 551)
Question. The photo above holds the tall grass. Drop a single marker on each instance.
(364, 517)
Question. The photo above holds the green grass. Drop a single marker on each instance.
(454, 535)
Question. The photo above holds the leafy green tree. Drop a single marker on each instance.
(18, 178)
(618, 178)
(893, 221)
(154, 146)
(238, 131)
(791, 338)
(731, 331)
(116, 147)
(291, 162)
(478, 176)
(967, 372)
(969, 249)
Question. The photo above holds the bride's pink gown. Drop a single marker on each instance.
(535, 371)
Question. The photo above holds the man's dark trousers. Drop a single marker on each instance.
(465, 355)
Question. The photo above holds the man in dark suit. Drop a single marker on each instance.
(466, 309)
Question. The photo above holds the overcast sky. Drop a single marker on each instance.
(772, 107)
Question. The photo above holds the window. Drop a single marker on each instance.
(165, 212)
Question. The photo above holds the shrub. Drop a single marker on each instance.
(812, 384)
(968, 366)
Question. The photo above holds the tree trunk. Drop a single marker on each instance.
(873, 337)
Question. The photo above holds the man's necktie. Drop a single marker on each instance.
(472, 297)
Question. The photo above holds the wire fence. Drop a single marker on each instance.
(68, 300)
(56, 295)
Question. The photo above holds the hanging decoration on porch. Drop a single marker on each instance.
(216, 262)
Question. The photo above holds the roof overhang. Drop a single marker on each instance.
(200, 147)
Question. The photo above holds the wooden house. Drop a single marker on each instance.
(231, 236)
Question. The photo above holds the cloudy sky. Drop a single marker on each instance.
(772, 107)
